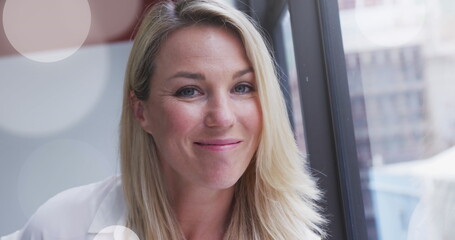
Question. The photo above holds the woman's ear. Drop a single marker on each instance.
(138, 108)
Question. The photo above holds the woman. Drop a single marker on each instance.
(206, 148)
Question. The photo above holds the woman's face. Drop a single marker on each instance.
(203, 110)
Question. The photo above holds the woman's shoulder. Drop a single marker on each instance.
(78, 211)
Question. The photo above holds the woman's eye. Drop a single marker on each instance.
(188, 92)
(243, 88)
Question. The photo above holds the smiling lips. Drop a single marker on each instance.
(219, 144)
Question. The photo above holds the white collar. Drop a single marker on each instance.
(111, 211)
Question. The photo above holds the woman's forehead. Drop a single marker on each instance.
(200, 40)
(199, 46)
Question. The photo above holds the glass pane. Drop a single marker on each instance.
(291, 73)
(400, 60)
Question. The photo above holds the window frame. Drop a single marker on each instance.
(326, 106)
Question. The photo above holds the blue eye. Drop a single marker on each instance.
(243, 88)
(187, 92)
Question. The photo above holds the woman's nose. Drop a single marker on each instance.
(220, 112)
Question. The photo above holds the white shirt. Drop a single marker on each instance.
(81, 213)
(78, 213)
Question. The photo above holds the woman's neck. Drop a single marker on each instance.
(202, 213)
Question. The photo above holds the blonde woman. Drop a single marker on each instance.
(207, 151)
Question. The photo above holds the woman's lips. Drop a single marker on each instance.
(218, 144)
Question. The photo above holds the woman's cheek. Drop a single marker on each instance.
(251, 110)
(182, 117)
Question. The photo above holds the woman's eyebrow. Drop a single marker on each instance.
(242, 72)
(190, 75)
(199, 76)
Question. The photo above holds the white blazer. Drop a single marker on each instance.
(78, 213)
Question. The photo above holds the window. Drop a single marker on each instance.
(291, 72)
(403, 85)
(376, 91)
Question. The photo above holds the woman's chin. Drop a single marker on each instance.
(221, 182)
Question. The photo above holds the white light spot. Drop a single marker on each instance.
(57, 166)
(38, 99)
(37, 27)
(116, 232)
(392, 23)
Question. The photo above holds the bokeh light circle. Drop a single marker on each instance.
(47, 98)
(57, 166)
(392, 23)
(116, 232)
(46, 30)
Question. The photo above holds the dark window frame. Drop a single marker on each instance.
(326, 107)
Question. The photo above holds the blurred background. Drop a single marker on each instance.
(400, 60)
(400, 64)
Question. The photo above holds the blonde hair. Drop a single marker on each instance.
(275, 197)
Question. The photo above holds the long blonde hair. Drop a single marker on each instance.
(275, 197)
